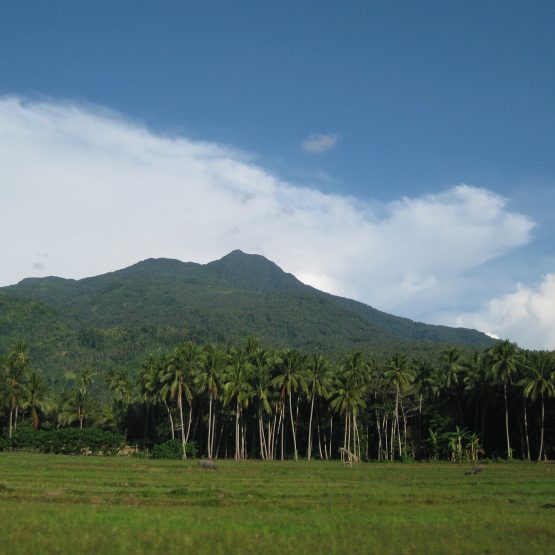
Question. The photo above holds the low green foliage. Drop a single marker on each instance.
(55, 504)
(171, 449)
(68, 441)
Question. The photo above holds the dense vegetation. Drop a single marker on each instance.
(112, 321)
(249, 402)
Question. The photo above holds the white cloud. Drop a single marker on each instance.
(97, 193)
(318, 143)
(527, 314)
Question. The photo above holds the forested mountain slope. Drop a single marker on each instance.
(115, 318)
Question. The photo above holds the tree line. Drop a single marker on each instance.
(251, 402)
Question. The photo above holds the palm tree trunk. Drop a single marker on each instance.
(11, 422)
(189, 422)
(345, 432)
(171, 419)
(509, 453)
(209, 439)
(180, 405)
(379, 436)
(213, 432)
(404, 428)
(331, 435)
(293, 427)
(526, 429)
(541, 432)
(385, 434)
(319, 437)
(237, 444)
(309, 450)
(397, 422)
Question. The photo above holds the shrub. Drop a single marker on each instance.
(171, 449)
(69, 441)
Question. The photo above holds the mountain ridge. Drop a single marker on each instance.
(158, 302)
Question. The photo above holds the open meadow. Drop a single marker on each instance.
(63, 504)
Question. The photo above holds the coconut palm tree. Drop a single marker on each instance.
(539, 383)
(289, 367)
(503, 360)
(261, 381)
(317, 381)
(84, 380)
(421, 384)
(38, 398)
(177, 378)
(150, 385)
(477, 386)
(208, 379)
(399, 374)
(452, 366)
(120, 386)
(18, 362)
(238, 389)
(347, 399)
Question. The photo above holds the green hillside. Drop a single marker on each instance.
(114, 319)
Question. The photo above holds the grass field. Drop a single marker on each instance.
(62, 504)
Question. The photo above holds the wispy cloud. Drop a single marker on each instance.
(318, 143)
(97, 192)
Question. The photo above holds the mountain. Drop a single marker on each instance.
(115, 318)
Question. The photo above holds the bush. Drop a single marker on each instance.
(171, 449)
(69, 441)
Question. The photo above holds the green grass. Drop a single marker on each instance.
(62, 504)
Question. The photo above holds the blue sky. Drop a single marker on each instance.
(375, 101)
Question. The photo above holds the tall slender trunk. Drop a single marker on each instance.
(219, 441)
(345, 434)
(386, 434)
(212, 433)
(309, 450)
(282, 433)
(526, 430)
(509, 453)
(404, 428)
(237, 441)
(171, 419)
(331, 435)
(293, 427)
(379, 436)
(541, 432)
(209, 439)
(319, 437)
(263, 440)
(189, 422)
(397, 422)
(180, 405)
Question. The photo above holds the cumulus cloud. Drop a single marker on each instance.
(97, 192)
(528, 313)
(318, 143)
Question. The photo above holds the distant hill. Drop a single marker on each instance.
(115, 318)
